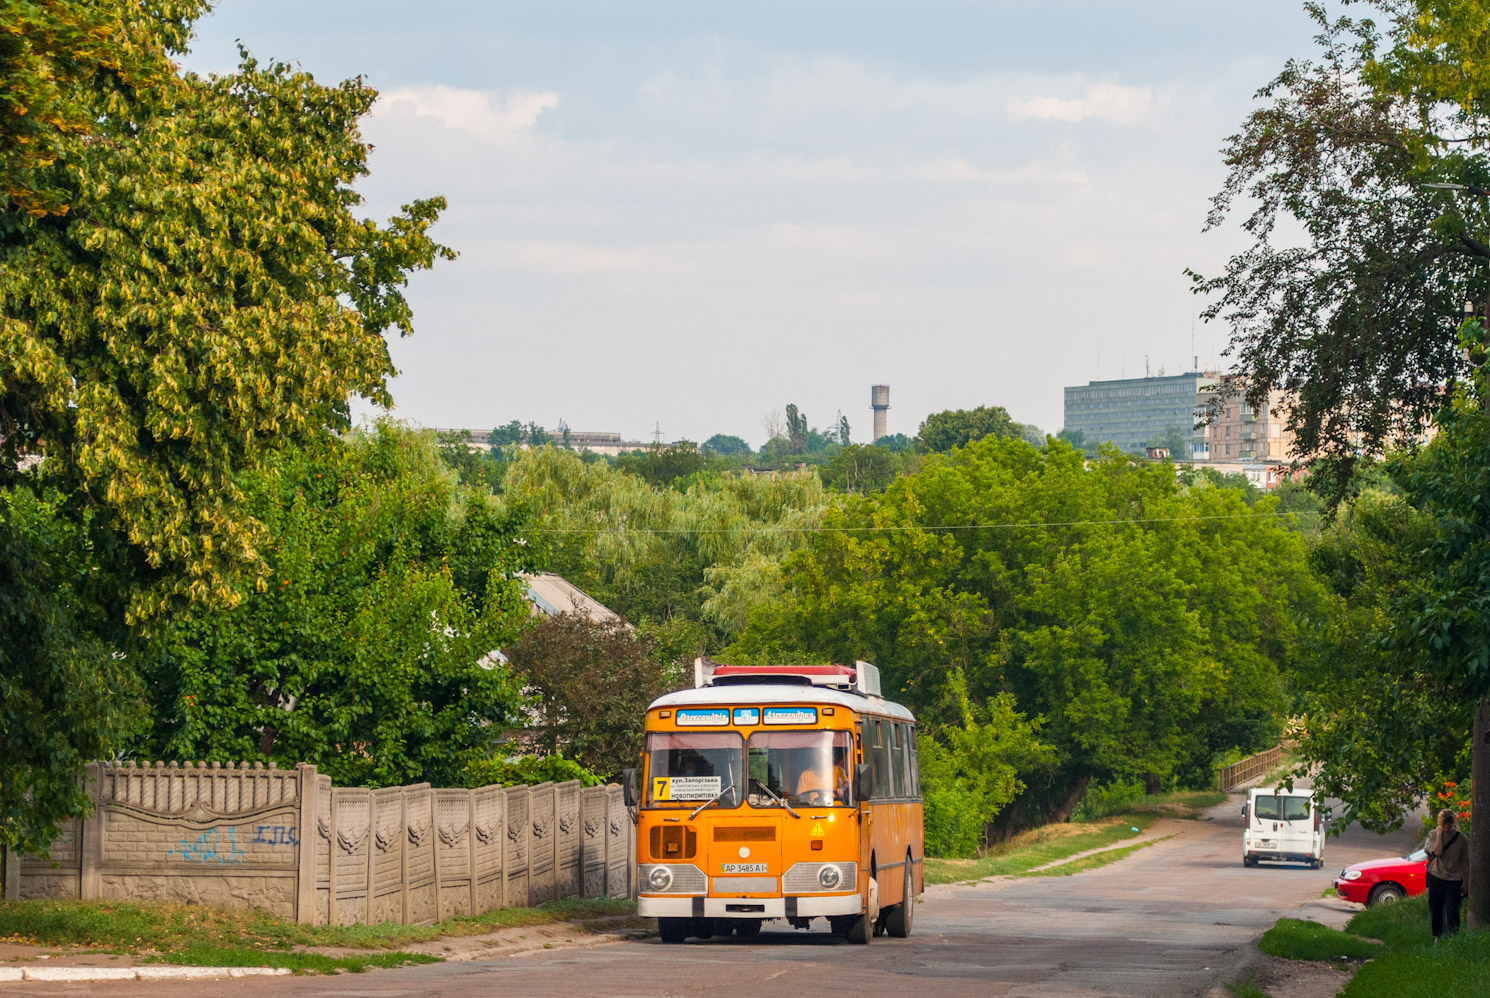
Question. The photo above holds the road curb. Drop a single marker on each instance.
(81, 975)
(1251, 957)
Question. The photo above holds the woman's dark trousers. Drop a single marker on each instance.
(1443, 905)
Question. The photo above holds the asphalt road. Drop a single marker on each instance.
(1167, 921)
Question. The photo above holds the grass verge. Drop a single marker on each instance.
(216, 937)
(1294, 939)
(1046, 844)
(1406, 963)
(1093, 862)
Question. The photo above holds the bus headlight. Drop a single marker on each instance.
(829, 876)
(660, 879)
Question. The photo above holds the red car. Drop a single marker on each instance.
(1382, 881)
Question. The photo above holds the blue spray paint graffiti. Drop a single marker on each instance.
(276, 835)
(206, 849)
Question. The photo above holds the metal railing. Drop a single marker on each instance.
(1249, 768)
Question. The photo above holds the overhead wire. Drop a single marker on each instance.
(886, 529)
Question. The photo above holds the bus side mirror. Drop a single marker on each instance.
(863, 785)
(628, 786)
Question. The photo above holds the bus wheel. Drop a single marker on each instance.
(673, 930)
(899, 919)
(863, 927)
(748, 928)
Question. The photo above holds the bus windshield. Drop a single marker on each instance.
(803, 768)
(690, 768)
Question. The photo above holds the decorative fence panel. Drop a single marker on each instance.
(288, 841)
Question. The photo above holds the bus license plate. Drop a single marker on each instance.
(742, 867)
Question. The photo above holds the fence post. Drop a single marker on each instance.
(90, 841)
(305, 876)
(10, 875)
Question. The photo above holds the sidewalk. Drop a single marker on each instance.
(152, 972)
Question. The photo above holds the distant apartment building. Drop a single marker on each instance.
(598, 442)
(1241, 433)
(1136, 413)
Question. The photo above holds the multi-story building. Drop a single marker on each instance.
(1135, 413)
(1241, 433)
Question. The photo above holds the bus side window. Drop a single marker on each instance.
(897, 759)
(915, 755)
(879, 767)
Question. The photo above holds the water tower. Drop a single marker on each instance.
(879, 401)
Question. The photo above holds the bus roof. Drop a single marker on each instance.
(771, 693)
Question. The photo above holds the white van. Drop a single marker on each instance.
(1282, 825)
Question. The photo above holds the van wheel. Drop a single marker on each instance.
(1385, 894)
(1249, 860)
(673, 930)
(898, 921)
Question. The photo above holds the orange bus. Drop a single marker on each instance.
(787, 792)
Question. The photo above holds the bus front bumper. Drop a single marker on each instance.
(735, 907)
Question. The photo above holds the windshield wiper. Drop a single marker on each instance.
(780, 800)
(726, 790)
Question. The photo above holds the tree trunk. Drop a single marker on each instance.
(1078, 791)
(1479, 838)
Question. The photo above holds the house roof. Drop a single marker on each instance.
(553, 594)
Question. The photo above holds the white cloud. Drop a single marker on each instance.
(1113, 102)
(482, 113)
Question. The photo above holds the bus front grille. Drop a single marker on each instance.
(743, 885)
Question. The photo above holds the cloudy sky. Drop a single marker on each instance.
(689, 213)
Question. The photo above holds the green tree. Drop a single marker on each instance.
(185, 287)
(664, 465)
(370, 653)
(1147, 626)
(64, 61)
(972, 767)
(505, 436)
(896, 442)
(796, 429)
(857, 468)
(475, 467)
(843, 438)
(686, 564)
(1451, 627)
(591, 682)
(726, 445)
(942, 431)
(208, 292)
(1358, 320)
(65, 697)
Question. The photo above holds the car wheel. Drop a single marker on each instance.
(1385, 894)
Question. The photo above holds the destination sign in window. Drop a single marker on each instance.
(710, 717)
(791, 715)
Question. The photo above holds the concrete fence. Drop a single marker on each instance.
(287, 841)
(1249, 768)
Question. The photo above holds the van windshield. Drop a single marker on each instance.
(1282, 808)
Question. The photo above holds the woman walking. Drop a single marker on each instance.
(1448, 874)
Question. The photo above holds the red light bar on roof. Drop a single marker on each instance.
(825, 674)
(860, 677)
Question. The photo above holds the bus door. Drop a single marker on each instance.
(867, 757)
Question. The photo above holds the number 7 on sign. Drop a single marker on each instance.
(660, 786)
